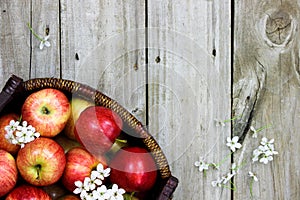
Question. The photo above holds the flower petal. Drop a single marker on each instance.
(47, 44)
(238, 145)
(41, 45)
(235, 139)
(77, 191)
(228, 139)
(78, 183)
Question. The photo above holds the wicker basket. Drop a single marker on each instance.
(16, 89)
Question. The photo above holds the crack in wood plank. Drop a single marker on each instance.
(247, 93)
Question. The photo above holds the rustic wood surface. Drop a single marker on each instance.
(178, 66)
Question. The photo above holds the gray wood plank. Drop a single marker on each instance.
(45, 17)
(15, 40)
(266, 91)
(103, 46)
(189, 87)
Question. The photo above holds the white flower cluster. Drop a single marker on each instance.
(20, 134)
(264, 154)
(92, 187)
(225, 179)
(233, 144)
(265, 151)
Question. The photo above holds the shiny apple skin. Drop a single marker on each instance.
(77, 106)
(97, 129)
(41, 162)
(27, 192)
(8, 172)
(133, 169)
(47, 110)
(80, 164)
(4, 143)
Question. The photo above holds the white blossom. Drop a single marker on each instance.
(92, 188)
(217, 183)
(265, 159)
(201, 165)
(12, 127)
(254, 135)
(233, 143)
(101, 193)
(100, 172)
(234, 168)
(20, 134)
(227, 178)
(116, 193)
(265, 151)
(223, 180)
(79, 187)
(89, 184)
(45, 42)
(11, 137)
(253, 176)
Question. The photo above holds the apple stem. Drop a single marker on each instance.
(38, 169)
(132, 194)
(45, 110)
(122, 141)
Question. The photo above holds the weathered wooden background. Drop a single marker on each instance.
(178, 65)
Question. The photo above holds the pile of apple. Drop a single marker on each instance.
(75, 136)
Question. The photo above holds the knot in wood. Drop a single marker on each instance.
(279, 27)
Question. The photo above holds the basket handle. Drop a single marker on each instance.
(168, 189)
(12, 87)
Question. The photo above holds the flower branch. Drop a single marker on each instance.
(264, 153)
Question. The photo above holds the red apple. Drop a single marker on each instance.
(8, 172)
(97, 129)
(69, 197)
(133, 169)
(4, 143)
(27, 192)
(41, 162)
(77, 106)
(80, 164)
(47, 110)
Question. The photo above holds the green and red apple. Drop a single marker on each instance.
(77, 106)
(41, 162)
(80, 164)
(47, 110)
(8, 172)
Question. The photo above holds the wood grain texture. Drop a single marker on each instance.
(189, 86)
(187, 81)
(266, 91)
(103, 46)
(15, 39)
(45, 17)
